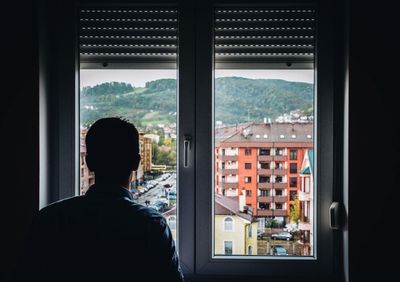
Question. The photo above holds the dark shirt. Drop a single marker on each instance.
(101, 236)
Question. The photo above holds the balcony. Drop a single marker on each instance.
(264, 185)
(264, 199)
(264, 158)
(227, 185)
(262, 171)
(280, 158)
(229, 171)
(280, 199)
(280, 172)
(228, 158)
(305, 226)
(271, 212)
(281, 185)
(304, 196)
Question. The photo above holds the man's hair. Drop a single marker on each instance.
(112, 147)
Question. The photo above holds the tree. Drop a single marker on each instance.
(295, 210)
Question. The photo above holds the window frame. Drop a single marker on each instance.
(195, 69)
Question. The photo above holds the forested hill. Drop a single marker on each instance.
(237, 99)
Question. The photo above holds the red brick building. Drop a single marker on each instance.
(264, 160)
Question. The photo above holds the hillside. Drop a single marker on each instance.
(237, 100)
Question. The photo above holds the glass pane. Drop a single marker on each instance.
(264, 162)
(147, 98)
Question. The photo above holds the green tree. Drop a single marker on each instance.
(295, 210)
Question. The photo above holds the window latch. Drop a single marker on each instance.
(336, 212)
(186, 148)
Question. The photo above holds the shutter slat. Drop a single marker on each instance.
(263, 36)
(129, 36)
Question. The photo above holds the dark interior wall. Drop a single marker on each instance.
(19, 136)
(374, 141)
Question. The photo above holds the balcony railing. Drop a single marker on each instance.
(227, 185)
(279, 185)
(264, 185)
(261, 212)
(280, 171)
(304, 226)
(264, 158)
(262, 171)
(280, 199)
(304, 196)
(229, 171)
(280, 158)
(264, 199)
(229, 158)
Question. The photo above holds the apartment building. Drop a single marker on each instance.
(145, 151)
(264, 160)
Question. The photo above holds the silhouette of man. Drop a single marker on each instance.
(102, 235)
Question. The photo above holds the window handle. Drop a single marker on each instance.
(336, 212)
(186, 148)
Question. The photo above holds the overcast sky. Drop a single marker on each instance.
(138, 78)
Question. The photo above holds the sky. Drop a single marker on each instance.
(138, 78)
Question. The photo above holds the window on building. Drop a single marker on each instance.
(264, 179)
(278, 206)
(249, 231)
(293, 195)
(293, 168)
(250, 250)
(228, 224)
(247, 165)
(293, 182)
(293, 155)
(248, 193)
(264, 206)
(247, 151)
(264, 193)
(278, 179)
(278, 192)
(264, 165)
(228, 248)
(279, 152)
(278, 165)
(265, 152)
(247, 179)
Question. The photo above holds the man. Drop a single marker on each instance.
(102, 235)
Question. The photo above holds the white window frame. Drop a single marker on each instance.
(59, 103)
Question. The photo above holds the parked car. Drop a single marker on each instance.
(260, 235)
(279, 251)
(282, 236)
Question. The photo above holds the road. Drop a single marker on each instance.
(158, 191)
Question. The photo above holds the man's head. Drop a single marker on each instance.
(112, 147)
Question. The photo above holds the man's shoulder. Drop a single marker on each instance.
(146, 212)
(61, 205)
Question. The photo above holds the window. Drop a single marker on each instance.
(249, 231)
(278, 192)
(172, 222)
(195, 120)
(228, 247)
(278, 206)
(228, 224)
(249, 250)
(247, 165)
(293, 155)
(293, 181)
(265, 152)
(265, 165)
(293, 168)
(247, 179)
(248, 193)
(264, 193)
